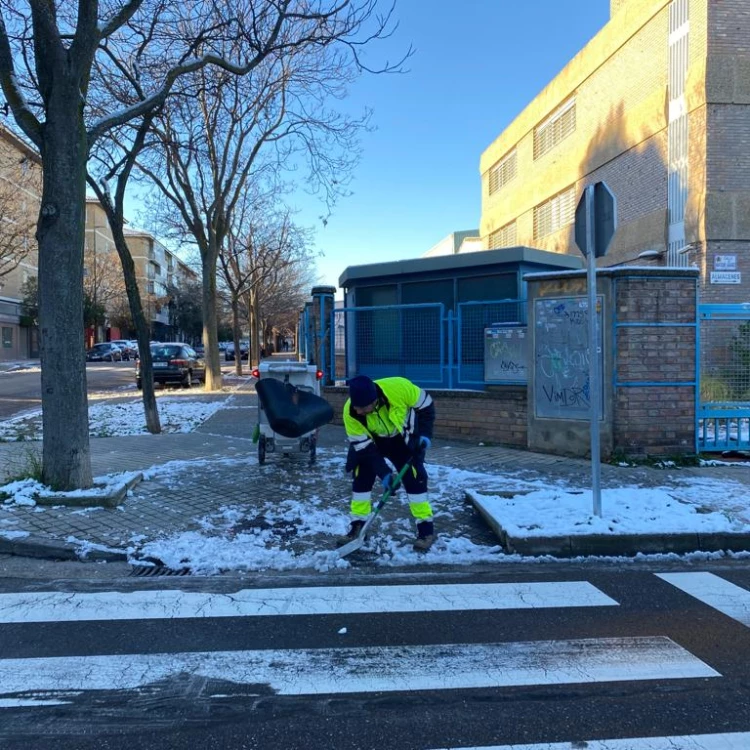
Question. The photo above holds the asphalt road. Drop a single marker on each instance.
(649, 659)
(21, 390)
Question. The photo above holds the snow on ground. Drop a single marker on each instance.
(290, 533)
(285, 516)
(626, 510)
(297, 528)
(176, 413)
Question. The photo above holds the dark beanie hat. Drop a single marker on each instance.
(362, 391)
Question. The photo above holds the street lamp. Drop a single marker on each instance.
(651, 254)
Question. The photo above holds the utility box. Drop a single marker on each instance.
(505, 354)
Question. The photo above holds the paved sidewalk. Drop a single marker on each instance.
(192, 477)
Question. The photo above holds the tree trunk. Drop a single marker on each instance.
(253, 327)
(260, 337)
(236, 334)
(153, 425)
(66, 457)
(210, 334)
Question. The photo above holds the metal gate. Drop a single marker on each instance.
(723, 409)
(423, 342)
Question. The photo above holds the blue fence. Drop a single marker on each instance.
(723, 410)
(473, 319)
(423, 342)
(304, 336)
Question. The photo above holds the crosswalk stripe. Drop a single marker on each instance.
(722, 595)
(143, 605)
(726, 741)
(370, 669)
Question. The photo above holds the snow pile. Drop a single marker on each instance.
(625, 510)
(176, 414)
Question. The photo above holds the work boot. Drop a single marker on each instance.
(425, 536)
(354, 529)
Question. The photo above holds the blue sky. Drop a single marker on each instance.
(476, 65)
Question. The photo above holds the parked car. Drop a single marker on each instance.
(107, 352)
(128, 348)
(173, 363)
(229, 351)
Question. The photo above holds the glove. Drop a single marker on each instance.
(390, 482)
(418, 446)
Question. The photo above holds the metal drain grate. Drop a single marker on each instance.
(143, 571)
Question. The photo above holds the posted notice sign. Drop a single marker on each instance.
(725, 262)
(726, 277)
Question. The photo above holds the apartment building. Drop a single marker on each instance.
(657, 104)
(20, 196)
(102, 277)
(158, 272)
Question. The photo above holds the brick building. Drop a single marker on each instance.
(657, 104)
(159, 271)
(157, 268)
(20, 195)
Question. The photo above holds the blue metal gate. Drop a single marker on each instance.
(723, 410)
(423, 342)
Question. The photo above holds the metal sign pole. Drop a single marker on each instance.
(594, 375)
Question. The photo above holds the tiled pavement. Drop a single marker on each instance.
(224, 473)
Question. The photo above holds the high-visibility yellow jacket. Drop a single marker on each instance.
(402, 409)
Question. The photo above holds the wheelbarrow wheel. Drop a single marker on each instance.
(262, 449)
(313, 449)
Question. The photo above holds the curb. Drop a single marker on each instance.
(606, 545)
(112, 499)
(48, 548)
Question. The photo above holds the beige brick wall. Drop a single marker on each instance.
(491, 417)
(655, 419)
(655, 422)
(727, 92)
(620, 83)
(704, 256)
(718, 219)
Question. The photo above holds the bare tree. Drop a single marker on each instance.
(283, 297)
(103, 283)
(113, 161)
(235, 133)
(47, 53)
(264, 259)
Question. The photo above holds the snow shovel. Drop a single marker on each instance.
(355, 544)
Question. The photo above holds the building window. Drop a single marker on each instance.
(493, 287)
(555, 213)
(503, 237)
(502, 172)
(7, 338)
(556, 128)
(150, 287)
(376, 296)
